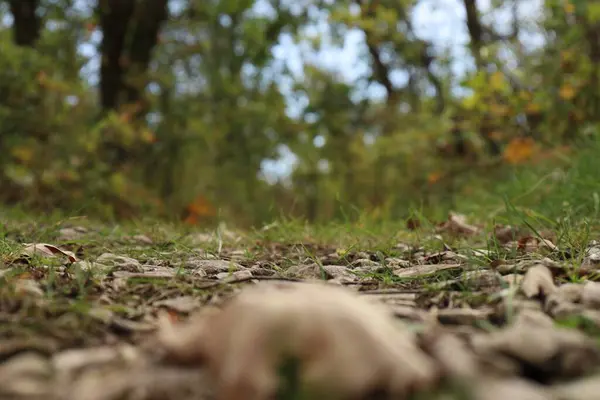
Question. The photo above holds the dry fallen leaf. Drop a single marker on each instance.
(590, 294)
(540, 347)
(506, 233)
(456, 360)
(538, 281)
(583, 389)
(592, 257)
(211, 267)
(510, 388)
(530, 244)
(338, 338)
(422, 270)
(120, 263)
(25, 375)
(47, 250)
(457, 225)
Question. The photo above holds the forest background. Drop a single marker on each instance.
(253, 110)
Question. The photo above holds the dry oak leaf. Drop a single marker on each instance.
(519, 150)
(345, 346)
(457, 225)
(505, 233)
(530, 244)
(538, 281)
(47, 250)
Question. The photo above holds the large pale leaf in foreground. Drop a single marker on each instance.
(345, 346)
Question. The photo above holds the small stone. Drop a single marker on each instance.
(119, 262)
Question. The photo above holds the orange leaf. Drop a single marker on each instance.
(567, 92)
(148, 136)
(198, 209)
(434, 177)
(518, 150)
(90, 26)
(42, 78)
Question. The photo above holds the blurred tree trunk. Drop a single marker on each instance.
(27, 24)
(130, 31)
(115, 16)
(479, 37)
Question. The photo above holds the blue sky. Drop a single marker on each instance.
(442, 22)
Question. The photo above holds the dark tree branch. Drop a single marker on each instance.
(475, 30)
(381, 71)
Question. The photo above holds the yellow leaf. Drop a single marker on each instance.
(524, 95)
(499, 110)
(497, 80)
(518, 150)
(533, 108)
(148, 136)
(567, 92)
(567, 55)
(569, 7)
(470, 102)
(22, 153)
(118, 182)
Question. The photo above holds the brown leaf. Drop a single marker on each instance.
(211, 267)
(583, 389)
(24, 376)
(457, 225)
(337, 337)
(590, 295)
(510, 388)
(456, 360)
(413, 224)
(505, 233)
(120, 263)
(422, 270)
(183, 304)
(530, 244)
(538, 281)
(539, 346)
(47, 250)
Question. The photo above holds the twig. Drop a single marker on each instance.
(246, 279)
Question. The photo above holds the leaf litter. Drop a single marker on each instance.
(221, 317)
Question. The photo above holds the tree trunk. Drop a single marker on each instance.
(144, 37)
(130, 32)
(115, 16)
(27, 24)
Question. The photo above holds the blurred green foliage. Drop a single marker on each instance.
(215, 101)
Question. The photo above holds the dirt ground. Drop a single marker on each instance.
(102, 315)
